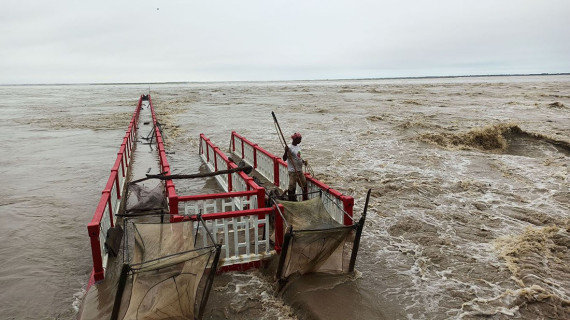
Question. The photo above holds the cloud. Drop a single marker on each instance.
(146, 41)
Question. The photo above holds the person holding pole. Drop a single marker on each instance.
(294, 166)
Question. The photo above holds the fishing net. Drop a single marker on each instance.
(318, 243)
(168, 276)
(142, 198)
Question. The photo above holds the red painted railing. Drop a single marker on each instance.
(239, 187)
(165, 167)
(275, 170)
(108, 206)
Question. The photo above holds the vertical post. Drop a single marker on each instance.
(254, 156)
(216, 149)
(276, 171)
(98, 271)
(117, 182)
(260, 203)
(207, 152)
(172, 204)
(348, 205)
(288, 236)
(123, 171)
(230, 186)
(278, 227)
(108, 192)
(360, 226)
(210, 281)
(120, 289)
(260, 198)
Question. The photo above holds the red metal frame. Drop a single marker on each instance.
(347, 201)
(94, 227)
(279, 231)
(122, 161)
(217, 195)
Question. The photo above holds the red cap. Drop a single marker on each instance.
(296, 135)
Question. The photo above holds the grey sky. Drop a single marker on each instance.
(63, 41)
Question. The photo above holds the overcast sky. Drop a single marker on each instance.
(78, 41)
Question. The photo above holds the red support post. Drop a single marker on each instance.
(173, 205)
(230, 184)
(260, 197)
(348, 205)
(98, 271)
(216, 149)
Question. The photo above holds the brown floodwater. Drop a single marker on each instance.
(469, 216)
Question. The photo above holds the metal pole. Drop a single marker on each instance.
(120, 289)
(358, 234)
(213, 271)
(284, 250)
(161, 176)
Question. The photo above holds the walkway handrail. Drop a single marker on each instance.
(274, 169)
(251, 225)
(108, 206)
(164, 165)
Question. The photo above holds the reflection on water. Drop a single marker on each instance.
(469, 215)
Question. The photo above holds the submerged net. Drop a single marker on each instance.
(141, 198)
(318, 242)
(168, 276)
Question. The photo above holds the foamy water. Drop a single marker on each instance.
(468, 217)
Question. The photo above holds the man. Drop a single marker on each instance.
(295, 166)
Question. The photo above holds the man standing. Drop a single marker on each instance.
(295, 166)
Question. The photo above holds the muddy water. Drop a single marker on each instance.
(469, 213)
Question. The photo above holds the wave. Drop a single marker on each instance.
(496, 138)
(557, 105)
(539, 261)
(532, 302)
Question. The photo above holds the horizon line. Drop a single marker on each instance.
(294, 80)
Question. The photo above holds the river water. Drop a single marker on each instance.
(469, 216)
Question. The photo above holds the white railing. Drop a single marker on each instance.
(283, 178)
(237, 147)
(266, 166)
(103, 228)
(248, 154)
(222, 165)
(243, 238)
(216, 205)
(332, 204)
(338, 205)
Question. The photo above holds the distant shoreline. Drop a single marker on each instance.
(340, 79)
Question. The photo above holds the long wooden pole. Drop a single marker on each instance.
(246, 169)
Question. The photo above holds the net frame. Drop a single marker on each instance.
(317, 243)
(168, 267)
